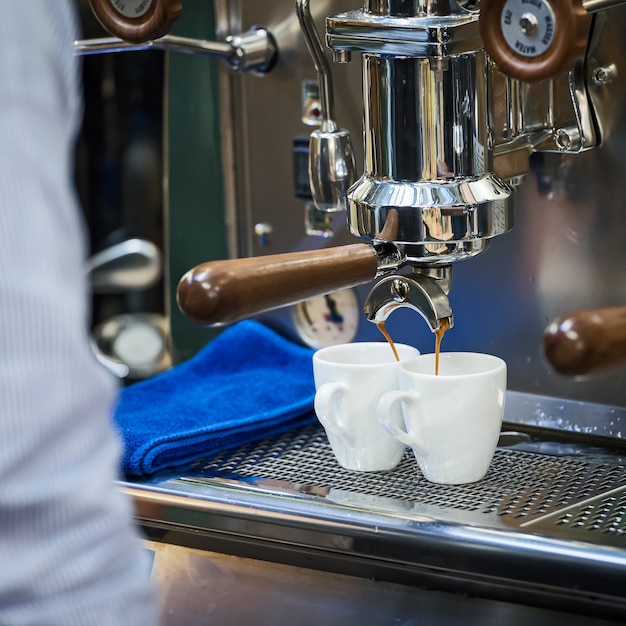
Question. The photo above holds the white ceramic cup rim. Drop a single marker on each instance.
(364, 354)
(481, 364)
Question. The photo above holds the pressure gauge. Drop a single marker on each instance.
(328, 320)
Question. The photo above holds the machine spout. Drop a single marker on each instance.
(419, 292)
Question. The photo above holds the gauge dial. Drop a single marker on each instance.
(328, 320)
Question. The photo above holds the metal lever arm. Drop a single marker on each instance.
(223, 292)
(128, 265)
(253, 50)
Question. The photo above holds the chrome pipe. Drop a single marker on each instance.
(593, 6)
(173, 43)
(253, 50)
(332, 166)
(322, 67)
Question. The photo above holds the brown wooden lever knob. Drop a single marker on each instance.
(223, 292)
(587, 342)
(137, 21)
(534, 40)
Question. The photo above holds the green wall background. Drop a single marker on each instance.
(195, 222)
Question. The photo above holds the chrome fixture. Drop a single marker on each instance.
(131, 345)
(591, 6)
(128, 265)
(146, 26)
(428, 184)
(428, 149)
(421, 293)
(254, 50)
(448, 130)
(331, 155)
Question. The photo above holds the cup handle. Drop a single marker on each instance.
(326, 400)
(384, 413)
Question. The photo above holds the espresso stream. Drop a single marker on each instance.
(439, 333)
(383, 330)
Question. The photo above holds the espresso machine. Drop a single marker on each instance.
(456, 99)
(484, 193)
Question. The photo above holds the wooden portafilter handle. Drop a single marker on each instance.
(223, 292)
(587, 342)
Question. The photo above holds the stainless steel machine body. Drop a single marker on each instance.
(427, 143)
(565, 250)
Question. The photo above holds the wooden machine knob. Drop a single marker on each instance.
(532, 41)
(223, 292)
(587, 342)
(137, 21)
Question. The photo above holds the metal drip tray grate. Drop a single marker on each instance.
(520, 486)
(547, 524)
(604, 514)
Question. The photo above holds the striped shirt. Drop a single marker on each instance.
(69, 552)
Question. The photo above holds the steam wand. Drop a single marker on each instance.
(332, 165)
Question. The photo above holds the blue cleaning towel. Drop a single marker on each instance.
(245, 385)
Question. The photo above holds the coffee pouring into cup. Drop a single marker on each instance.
(452, 419)
(350, 379)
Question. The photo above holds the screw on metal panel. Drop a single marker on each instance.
(604, 75)
(262, 231)
(342, 56)
(567, 139)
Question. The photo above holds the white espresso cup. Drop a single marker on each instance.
(349, 380)
(452, 420)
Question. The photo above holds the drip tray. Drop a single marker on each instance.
(520, 485)
(547, 525)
